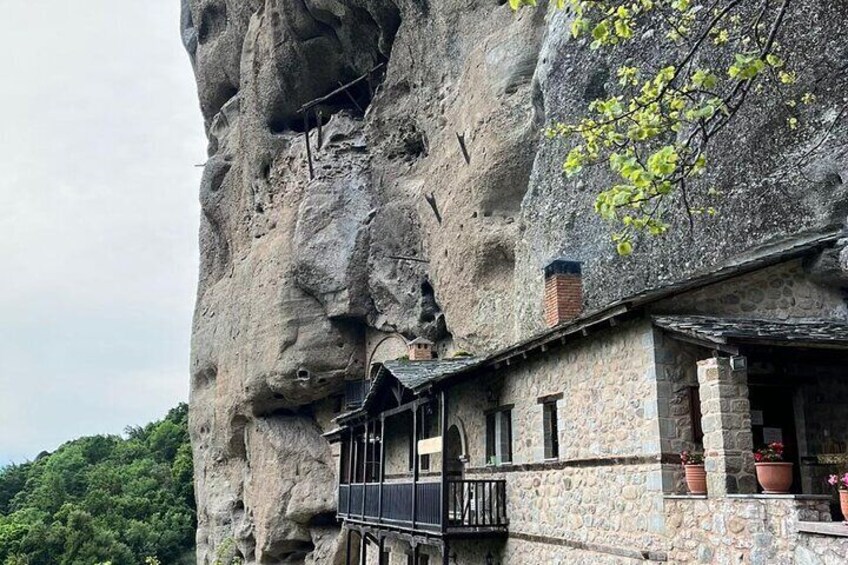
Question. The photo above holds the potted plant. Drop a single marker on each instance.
(773, 473)
(841, 484)
(696, 476)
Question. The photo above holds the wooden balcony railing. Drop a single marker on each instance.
(471, 505)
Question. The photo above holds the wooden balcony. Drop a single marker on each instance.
(468, 507)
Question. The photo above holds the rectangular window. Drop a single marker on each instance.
(499, 437)
(550, 430)
(422, 560)
(384, 557)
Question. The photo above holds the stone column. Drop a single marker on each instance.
(726, 421)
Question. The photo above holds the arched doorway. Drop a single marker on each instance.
(454, 453)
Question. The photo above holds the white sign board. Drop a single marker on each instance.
(430, 446)
(772, 435)
(756, 417)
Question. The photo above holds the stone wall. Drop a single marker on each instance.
(677, 382)
(754, 530)
(602, 500)
(781, 291)
(608, 407)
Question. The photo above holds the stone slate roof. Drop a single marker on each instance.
(727, 330)
(416, 374)
(413, 375)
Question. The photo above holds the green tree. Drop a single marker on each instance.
(103, 499)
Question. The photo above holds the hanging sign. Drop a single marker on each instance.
(772, 435)
(430, 446)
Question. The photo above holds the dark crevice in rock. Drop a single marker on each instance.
(323, 519)
(213, 22)
(294, 552)
(355, 100)
(430, 314)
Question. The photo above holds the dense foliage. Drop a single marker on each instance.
(103, 499)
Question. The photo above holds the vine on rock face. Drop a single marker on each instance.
(654, 135)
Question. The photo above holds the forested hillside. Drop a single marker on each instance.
(103, 499)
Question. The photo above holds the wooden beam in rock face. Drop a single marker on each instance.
(307, 108)
(344, 87)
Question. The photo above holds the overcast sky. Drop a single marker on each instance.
(99, 134)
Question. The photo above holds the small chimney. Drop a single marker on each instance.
(563, 292)
(420, 349)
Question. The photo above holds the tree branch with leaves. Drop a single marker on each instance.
(654, 135)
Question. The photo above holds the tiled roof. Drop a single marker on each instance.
(412, 375)
(416, 374)
(727, 330)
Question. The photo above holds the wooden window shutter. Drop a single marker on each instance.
(506, 436)
(490, 437)
(550, 431)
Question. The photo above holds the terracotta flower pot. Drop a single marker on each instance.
(696, 479)
(775, 478)
(843, 503)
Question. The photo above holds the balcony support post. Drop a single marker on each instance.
(443, 485)
(351, 452)
(446, 553)
(363, 552)
(347, 546)
(414, 464)
(382, 466)
(365, 469)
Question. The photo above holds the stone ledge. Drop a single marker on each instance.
(779, 496)
(837, 529)
(685, 496)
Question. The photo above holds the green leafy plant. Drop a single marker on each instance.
(654, 134)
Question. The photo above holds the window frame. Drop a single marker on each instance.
(499, 436)
(550, 430)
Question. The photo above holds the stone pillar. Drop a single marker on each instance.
(726, 421)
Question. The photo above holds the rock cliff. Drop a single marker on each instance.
(399, 233)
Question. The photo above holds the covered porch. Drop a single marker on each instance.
(762, 381)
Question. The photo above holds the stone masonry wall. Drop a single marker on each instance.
(602, 500)
(781, 291)
(749, 530)
(608, 407)
(677, 381)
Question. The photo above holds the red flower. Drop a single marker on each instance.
(758, 457)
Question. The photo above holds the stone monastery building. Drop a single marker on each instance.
(565, 448)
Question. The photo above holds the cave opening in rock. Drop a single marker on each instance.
(354, 98)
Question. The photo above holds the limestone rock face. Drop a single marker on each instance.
(398, 233)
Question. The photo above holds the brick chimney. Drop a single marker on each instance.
(420, 349)
(563, 292)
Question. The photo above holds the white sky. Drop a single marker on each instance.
(99, 134)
